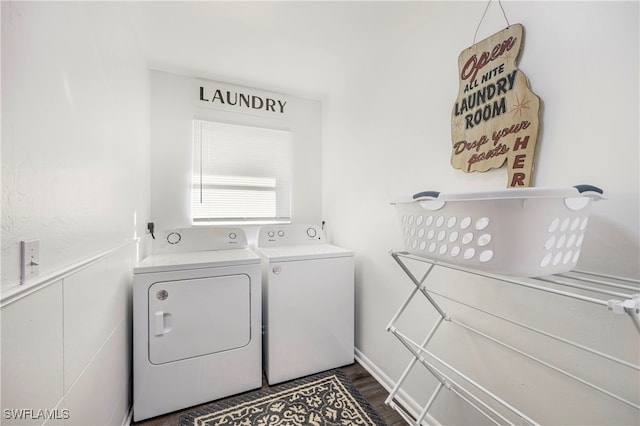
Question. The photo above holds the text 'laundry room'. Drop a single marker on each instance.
(319, 213)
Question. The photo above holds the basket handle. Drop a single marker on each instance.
(425, 194)
(588, 188)
(429, 200)
(588, 193)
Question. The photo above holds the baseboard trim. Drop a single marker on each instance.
(410, 405)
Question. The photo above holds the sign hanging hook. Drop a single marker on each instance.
(484, 13)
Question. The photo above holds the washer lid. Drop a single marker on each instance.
(196, 260)
(302, 252)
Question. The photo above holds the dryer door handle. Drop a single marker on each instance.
(163, 323)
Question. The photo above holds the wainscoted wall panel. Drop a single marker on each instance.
(95, 302)
(32, 352)
(106, 378)
(66, 347)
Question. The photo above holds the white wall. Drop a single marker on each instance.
(75, 126)
(387, 133)
(75, 174)
(173, 108)
(75, 135)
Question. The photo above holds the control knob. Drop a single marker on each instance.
(312, 233)
(174, 238)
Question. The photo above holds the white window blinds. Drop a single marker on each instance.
(241, 174)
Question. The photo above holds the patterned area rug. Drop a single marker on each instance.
(325, 399)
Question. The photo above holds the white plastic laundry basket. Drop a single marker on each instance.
(520, 232)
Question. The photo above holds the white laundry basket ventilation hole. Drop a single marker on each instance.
(565, 237)
(523, 232)
(451, 237)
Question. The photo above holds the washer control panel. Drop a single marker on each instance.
(198, 239)
(293, 234)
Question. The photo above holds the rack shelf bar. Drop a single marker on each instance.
(606, 277)
(630, 304)
(480, 410)
(418, 352)
(543, 333)
(514, 280)
(553, 280)
(548, 365)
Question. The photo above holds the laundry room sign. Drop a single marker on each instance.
(495, 118)
(227, 97)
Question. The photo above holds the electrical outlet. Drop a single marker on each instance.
(30, 259)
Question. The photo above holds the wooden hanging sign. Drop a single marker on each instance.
(495, 118)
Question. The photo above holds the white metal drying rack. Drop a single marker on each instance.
(626, 300)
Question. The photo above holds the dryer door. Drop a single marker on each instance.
(195, 317)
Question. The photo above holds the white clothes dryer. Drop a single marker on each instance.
(196, 320)
(308, 302)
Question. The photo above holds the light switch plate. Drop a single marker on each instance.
(29, 259)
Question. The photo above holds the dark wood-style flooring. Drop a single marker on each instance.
(373, 391)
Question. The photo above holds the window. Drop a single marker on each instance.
(241, 174)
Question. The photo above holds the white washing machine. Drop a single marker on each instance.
(196, 320)
(308, 302)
